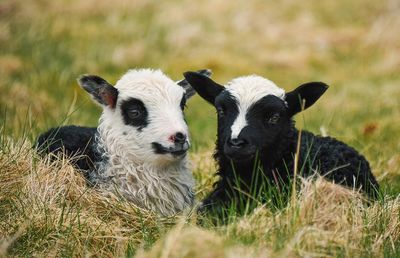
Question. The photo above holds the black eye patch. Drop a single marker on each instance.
(267, 105)
(183, 102)
(134, 113)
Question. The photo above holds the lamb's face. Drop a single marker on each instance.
(150, 108)
(251, 114)
(253, 111)
(143, 116)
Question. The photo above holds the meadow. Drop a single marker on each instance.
(354, 46)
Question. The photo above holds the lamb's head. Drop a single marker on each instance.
(142, 115)
(252, 111)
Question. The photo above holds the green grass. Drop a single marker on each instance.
(45, 45)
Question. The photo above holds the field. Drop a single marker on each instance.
(354, 46)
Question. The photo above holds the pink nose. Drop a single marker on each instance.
(178, 138)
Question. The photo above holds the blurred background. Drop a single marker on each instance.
(354, 46)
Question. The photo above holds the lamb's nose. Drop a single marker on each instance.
(179, 138)
(237, 143)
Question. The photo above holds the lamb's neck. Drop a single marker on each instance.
(163, 187)
(284, 148)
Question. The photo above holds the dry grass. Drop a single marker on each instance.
(47, 210)
(326, 221)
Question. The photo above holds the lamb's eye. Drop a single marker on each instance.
(220, 111)
(274, 118)
(134, 113)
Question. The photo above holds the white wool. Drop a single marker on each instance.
(247, 90)
(161, 183)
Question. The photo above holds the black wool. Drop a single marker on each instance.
(329, 157)
(75, 142)
(257, 142)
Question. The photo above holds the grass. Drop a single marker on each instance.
(45, 207)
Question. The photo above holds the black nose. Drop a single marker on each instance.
(237, 142)
(180, 138)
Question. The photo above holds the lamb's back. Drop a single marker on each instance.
(337, 162)
(74, 142)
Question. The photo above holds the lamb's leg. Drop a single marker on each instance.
(73, 141)
(358, 176)
(213, 208)
(340, 163)
(222, 204)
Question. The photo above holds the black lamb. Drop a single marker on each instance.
(257, 137)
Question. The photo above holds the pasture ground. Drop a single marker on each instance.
(354, 46)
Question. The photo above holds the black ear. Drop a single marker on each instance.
(304, 96)
(101, 91)
(188, 88)
(204, 86)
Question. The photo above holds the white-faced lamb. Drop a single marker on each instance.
(139, 147)
(255, 120)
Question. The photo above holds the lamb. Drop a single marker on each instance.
(255, 128)
(139, 148)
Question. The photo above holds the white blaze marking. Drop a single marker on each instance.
(239, 123)
(248, 90)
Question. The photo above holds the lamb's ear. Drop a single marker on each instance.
(101, 91)
(188, 88)
(204, 86)
(304, 96)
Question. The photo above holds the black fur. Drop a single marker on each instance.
(204, 86)
(189, 91)
(158, 148)
(76, 142)
(337, 162)
(178, 150)
(305, 96)
(101, 91)
(270, 138)
(134, 113)
(183, 102)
